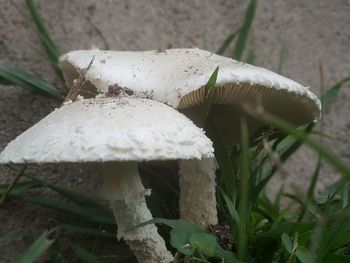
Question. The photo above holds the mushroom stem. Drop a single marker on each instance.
(124, 190)
(197, 191)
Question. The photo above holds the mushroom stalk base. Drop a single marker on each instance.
(197, 191)
(123, 188)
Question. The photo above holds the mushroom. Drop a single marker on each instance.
(178, 77)
(118, 132)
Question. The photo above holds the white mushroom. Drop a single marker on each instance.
(178, 77)
(118, 132)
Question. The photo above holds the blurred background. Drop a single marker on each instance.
(302, 34)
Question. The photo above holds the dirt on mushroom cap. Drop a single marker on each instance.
(109, 129)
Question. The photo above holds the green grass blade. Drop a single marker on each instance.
(33, 253)
(92, 215)
(327, 155)
(287, 243)
(19, 188)
(4, 81)
(51, 50)
(281, 59)
(294, 144)
(264, 214)
(223, 159)
(345, 195)
(278, 198)
(338, 231)
(209, 91)
(287, 227)
(251, 56)
(14, 76)
(334, 233)
(291, 145)
(230, 207)
(58, 257)
(304, 256)
(87, 231)
(244, 32)
(85, 256)
(311, 189)
(14, 236)
(221, 153)
(315, 176)
(337, 258)
(227, 42)
(235, 221)
(332, 93)
(244, 194)
(182, 225)
(331, 191)
(73, 196)
(267, 207)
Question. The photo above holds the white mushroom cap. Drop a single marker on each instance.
(109, 129)
(177, 77)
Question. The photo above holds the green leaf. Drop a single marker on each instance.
(185, 233)
(51, 50)
(209, 91)
(287, 243)
(244, 31)
(227, 42)
(179, 224)
(181, 232)
(180, 240)
(10, 75)
(208, 246)
(85, 256)
(304, 256)
(33, 253)
(205, 243)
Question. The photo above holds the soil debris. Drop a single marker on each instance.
(116, 90)
(224, 236)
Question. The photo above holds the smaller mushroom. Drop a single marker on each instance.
(118, 132)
